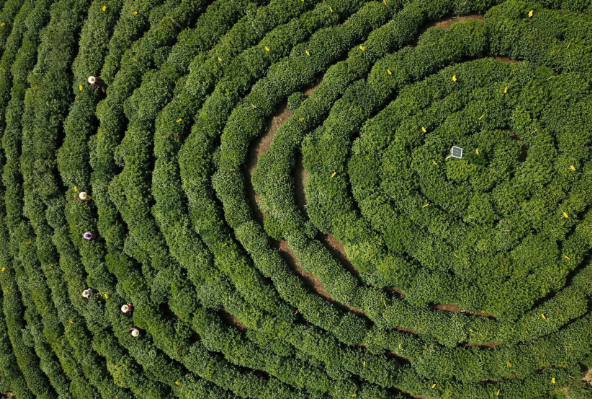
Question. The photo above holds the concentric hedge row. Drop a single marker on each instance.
(464, 278)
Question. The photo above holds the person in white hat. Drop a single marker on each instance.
(127, 308)
(83, 196)
(87, 293)
(134, 332)
(94, 81)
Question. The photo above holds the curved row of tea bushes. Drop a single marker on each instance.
(142, 388)
(157, 364)
(235, 197)
(162, 154)
(194, 170)
(185, 247)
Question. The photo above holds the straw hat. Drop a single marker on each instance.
(124, 308)
(82, 195)
(135, 333)
(86, 293)
(91, 79)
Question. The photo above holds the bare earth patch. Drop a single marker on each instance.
(445, 23)
(300, 176)
(408, 330)
(231, 319)
(395, 289)
(337, 249)
(505, 59)
(487, 344)
(448, 307)
(588, 377)
(311, 281)
(258, 147)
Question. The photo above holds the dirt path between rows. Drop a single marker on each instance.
(445, 23)
(449, 307)
(231, 320)
(259, 147)
(309, 279)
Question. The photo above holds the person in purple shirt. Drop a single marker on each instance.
(89, 235)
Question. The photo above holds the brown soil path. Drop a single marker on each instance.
(231, 320)
(445, 23)
(448, 307)
(258, 147)
(309, 279)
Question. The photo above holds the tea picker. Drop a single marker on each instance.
(96, 82)
(134, 332)
(89, 235)
(83, 196)
(127, 308)
(87, 293)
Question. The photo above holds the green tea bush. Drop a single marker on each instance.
(456, 278)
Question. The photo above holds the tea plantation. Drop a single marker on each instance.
(260, 199)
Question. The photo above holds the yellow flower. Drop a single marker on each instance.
(334, 173)
(543, 316)
(424, 129)
(330, 9)
(135, 13)
(307, 53)
(179, 120)
(219, 59)
(530, 13)
(433, 386)
(572, 167)
(506, 90)
(266, 48)
(389, 71)
(104, 8)
(565, 215)
(454, 78)
(80, 87)
(362, 47)
(434, 162)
